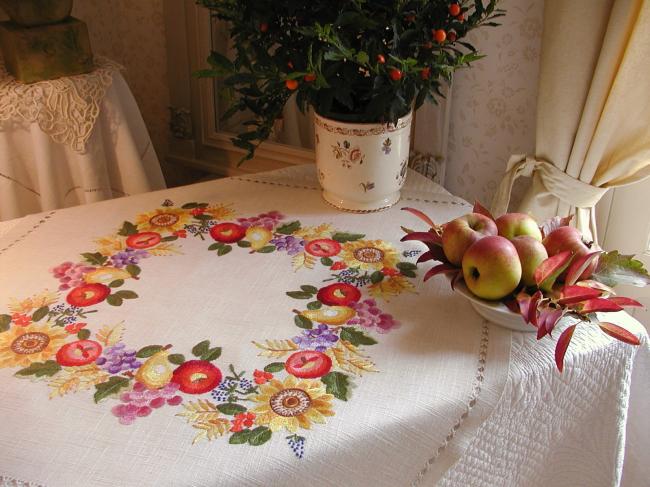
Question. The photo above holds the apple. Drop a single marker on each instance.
(81, 352)
(308, 364)
(88, 294)
(531, 254)
(513, 225)
(227, 232)
(143, 240)
(197, 376)
(340, 293)
(459, 234)
(491, 267)
(323, 247)
(569, 238)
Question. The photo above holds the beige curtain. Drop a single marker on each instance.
(593, 115)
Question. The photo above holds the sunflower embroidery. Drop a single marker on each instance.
(162, 219)
(22, 346)
(291, 404)
(369, 255)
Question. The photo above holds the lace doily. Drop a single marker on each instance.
(66, 108)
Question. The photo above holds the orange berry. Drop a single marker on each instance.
(264, 27)
(454, 9)
(425, 73)
(395, 74)
(381, 59)
(309, 77)
(451, 36)
(291, 84)
(440, 35)
(460, 17)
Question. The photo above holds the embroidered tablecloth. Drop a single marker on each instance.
(235, 332)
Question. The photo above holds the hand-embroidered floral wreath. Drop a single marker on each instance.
(48, 337)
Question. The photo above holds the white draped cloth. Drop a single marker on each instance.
(72, 141)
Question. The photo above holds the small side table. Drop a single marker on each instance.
(72, 141)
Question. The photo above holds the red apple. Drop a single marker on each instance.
(323, 247)
(308, 364)
(197, 376)
(569, 238)
(459, 234)
(143, 240)
(531, 254)
(88, 294)
(491, 268)
(513, 225)
(81, 352)
(227, 232)
(341, 294)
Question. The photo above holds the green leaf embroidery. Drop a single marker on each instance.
(326, 261)
(94, 258)
(240, 437)
(114, 300)
(615, 268)
(409, 273)
(40, 369)
(314, 305)
(203, 217)
(169, 238)
(309, 289)
(274, 367)
(299, 295)
(216, 246)
(406, 266)
(230, 408)
(127, 229)
(148, 351)
(190, 206)
(376, 277)
(133, 269)
(259, 436)
(211, 354)
(356, 337)
(110, 387)
(126, 294)
(83, 334)
(288, 228)
(303, 322)
(40, 313)
(224, 250)
(5, 321)
(176, 358)
(267, 250)
(244, 244)
(116, 283)
(336, 384)
(343, 237)
(201, 348)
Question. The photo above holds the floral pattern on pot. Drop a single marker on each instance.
(347, 154)
(386, 146)
(54, 337)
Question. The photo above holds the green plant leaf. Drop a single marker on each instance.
(83, 334)
(314, 305)
(274, 367)
(303, 322)
(224, 250)
(337, 384)
(309, 289)
(94, 258)
(133, 269)
(114, 300)
(211, 354)
(244, 244)
(40, 369)
(126, 294)
(127, 229)
(376, 277)
(299, 295)
(148, 351)
(288, 228)
(343, 237)
(116, 283)
(5, 322)
(240, 437)
(230, 408)
(201, 348)
(615, 268)
(176, 358)
(356, 337)
(259, 436)
(40, 313)
(114, 385)
(326, 261)
(267, 250)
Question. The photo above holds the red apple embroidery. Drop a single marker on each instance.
(323, 247)
(227, 232)
(308, 364)
(197, 377)
(143, 240)
(339, 294)
(81, 352)
(88, 294)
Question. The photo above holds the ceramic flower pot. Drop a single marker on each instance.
(30, 13)
(362, 166)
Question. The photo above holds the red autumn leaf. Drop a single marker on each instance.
(579, 265)
(596, 285)
(440, 269)
(420, 215)
(576, 294)
(434, 253)
(623, 301)
(554, 223)
(513, 305)
(562, 345)
(598, 304)
(550, 269)
(547, 319)
(523, 301)
(428, 238)
(619, 333)
(532, 309)
(426, 256)
(479, 208)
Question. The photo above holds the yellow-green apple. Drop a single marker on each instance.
(512, 225)
(531, 254)
(459, 234)
(491, 267)
(569, 238)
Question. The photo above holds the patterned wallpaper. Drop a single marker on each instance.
(494, 103)
(132, 32)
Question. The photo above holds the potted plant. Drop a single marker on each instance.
(363, 66)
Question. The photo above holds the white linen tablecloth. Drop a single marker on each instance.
(72, 141)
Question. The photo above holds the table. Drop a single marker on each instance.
(454, 403)
(72, 141)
